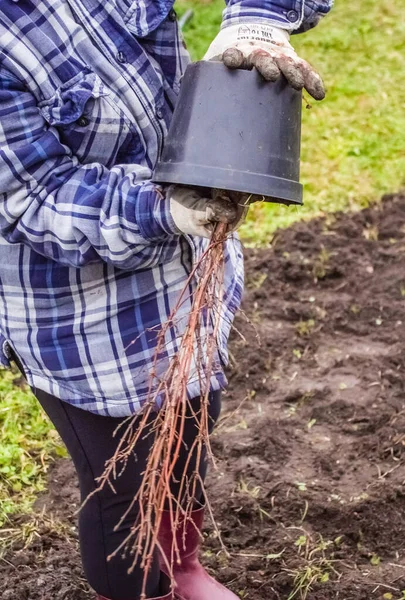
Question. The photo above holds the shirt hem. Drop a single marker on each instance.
(114, 407)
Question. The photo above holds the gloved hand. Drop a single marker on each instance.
(269, 50)
(195, 214)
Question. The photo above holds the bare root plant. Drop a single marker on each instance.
(196, 354)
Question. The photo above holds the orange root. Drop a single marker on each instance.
(154, 495)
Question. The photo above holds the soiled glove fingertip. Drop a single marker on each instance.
(291, 71)
(233, 58)
(266, 66)
(317, 95)
(316, 89)
(313, 81)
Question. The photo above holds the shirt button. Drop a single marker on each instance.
(121, 57)
(292, 16)
(172, 16)
(82, 121)
(7, 350)
(159, 113)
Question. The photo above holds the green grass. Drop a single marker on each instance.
(28, 442)
(353, 147)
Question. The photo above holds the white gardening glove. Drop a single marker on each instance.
(194, 214)
(269, 50)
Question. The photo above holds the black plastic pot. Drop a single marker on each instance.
(232, 130)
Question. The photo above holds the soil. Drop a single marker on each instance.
(309, 490)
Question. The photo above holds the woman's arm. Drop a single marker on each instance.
(293, 15)
(256, 34)
(72, 213)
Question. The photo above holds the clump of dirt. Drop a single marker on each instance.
(309, 493)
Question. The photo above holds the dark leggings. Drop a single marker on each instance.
(89, 440)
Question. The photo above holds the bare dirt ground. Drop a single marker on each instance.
(309, 492)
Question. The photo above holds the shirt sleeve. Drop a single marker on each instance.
(294, 15)
(72, 213)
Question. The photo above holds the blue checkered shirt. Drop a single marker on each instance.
(91, 261)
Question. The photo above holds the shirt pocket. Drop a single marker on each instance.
(90, 123)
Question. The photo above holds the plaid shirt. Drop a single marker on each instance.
(91, 261)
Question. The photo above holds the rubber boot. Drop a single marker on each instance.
(192, 581)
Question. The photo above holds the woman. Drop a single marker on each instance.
(93, 255)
